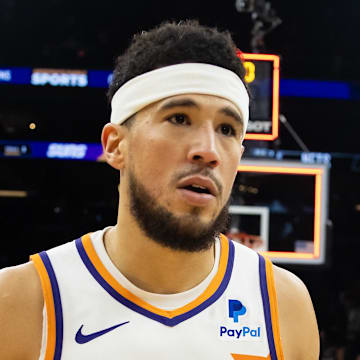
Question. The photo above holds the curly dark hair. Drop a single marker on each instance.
(173, 43)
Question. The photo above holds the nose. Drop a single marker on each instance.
(203, 149)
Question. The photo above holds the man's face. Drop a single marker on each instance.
(183, 154)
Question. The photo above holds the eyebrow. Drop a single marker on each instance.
(186, 102)
(179, 103)
(230, 112)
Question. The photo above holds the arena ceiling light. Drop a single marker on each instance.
(13, 193)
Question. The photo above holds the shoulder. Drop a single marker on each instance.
(21, 305)
(298, 327)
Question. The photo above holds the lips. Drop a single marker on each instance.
(199, 184)
(197, 190)
(194, 198)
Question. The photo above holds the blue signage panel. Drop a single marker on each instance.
(50, 150)
(14, 75)
(99, 78)
(102, 79)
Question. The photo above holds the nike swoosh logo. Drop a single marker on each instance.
(80, 338)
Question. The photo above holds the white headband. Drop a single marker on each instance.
(186, 78)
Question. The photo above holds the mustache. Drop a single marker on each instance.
(206, 172)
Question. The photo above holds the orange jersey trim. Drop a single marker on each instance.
(50, 307)
(273, 308)
(249, 357)
(209, 291)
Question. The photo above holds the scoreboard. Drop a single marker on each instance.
(263, 79)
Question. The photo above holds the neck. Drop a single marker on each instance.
(151, 266)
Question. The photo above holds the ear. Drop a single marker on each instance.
(113, 139)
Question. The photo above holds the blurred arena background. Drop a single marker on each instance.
(54, 186)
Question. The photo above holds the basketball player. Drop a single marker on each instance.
(163, 283)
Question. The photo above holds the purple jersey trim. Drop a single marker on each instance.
(266, 306)
(57, 304)
(162, 319)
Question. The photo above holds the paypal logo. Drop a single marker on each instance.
(242, 333)
(243, 330)
(236, 309)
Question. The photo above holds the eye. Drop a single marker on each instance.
(178, 119)
(227, 130)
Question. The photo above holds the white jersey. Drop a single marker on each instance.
(92, 314)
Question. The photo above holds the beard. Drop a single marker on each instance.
(182, 233)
